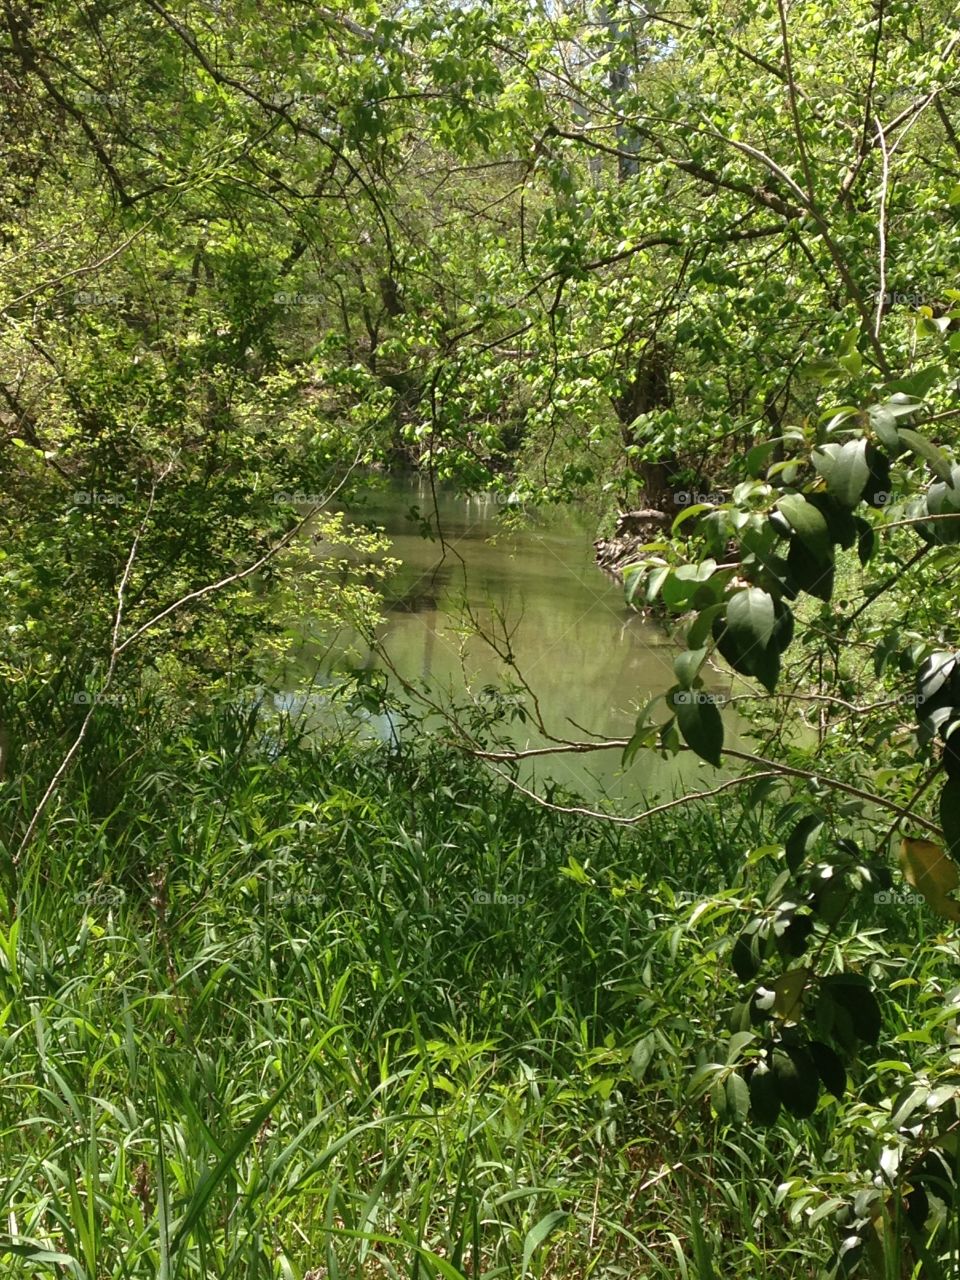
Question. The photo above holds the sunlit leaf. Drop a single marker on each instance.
(929, 869)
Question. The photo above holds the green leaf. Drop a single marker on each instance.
(689, 513)
(918, 385)
(748, 657)
(884, 424)
(750, 618)
(840, 523)
(764, 1098)
(848, 343)
(758, 456)
(853, 993)
(832, 1071)
(797, 1081)
(656, 580)
(678, 589)
(745, 956)
(900, 406)
(538, 1234)
(802, 839)
(738, 1096)
(809, 572)
(943, 499)
(644, 734)
(670, 737)
(701, 626)
(950, 816)
(37, 1253)
(788, 991)
(821, 370)
(927, 450)
(760, 790)
(212, 1178)
(866, 540)
(845, 470)
(687, 665)
(766, 666)
(807, 522)
(700, 723)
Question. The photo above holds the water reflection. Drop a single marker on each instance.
(541, 602)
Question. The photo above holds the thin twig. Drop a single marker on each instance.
(773, 766)
(882, 226)
(241, 573)
(111, 668)
(689, 798)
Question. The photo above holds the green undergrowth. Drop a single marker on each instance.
(274, 1008)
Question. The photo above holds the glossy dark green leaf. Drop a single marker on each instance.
(802, 839)
(927, 450)
(950, 816)
(830, 1067)
(783, 627)
(701, 626)
(751, 618)
(866, 540)
(745, 956)
(877, 489)
(840, 523)
(808, 572)
(855, 995)
(797, 1080)
(846, 471)
(700, 723)
(806, 522)
(687, 665)
(766, 666)
(764, 1097)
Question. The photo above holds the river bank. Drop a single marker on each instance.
(633, 530)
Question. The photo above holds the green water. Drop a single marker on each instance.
(589, 661)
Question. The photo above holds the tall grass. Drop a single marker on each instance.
(289, 1009)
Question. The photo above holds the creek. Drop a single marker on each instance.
(589, 660)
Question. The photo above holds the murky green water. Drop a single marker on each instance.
(588, 659)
